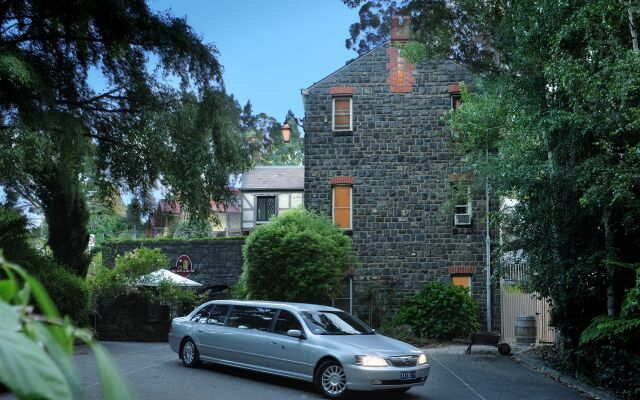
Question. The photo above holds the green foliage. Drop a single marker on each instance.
(607, 364)
(297, 256)
(14, 239)
(625, 329)
(374, 25)
(36, 351)
(170, 293)
(189, 228)
(67, 290)
(137, 133)
(65, 209)
(440, 311)
(109, 284)
(263, 140)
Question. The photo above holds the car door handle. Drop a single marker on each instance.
(200, 330)
(272, 342)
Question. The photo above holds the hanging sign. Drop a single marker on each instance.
(183, 266)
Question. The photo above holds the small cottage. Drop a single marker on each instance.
(269, 190)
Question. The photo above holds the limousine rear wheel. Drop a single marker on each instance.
(190, 354)
(331, 380)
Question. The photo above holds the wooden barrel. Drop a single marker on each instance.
(525, 329)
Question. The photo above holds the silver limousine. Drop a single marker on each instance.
(319, 344)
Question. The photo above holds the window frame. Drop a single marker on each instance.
(277, 317)
(333, 113)
(456, 104)
(469, 280)
(250, 328)
(275, 209)
(333, 206)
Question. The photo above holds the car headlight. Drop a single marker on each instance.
(422, 359)
(371, 361)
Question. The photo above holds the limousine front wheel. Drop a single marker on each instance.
(190, 354)
(331, 380)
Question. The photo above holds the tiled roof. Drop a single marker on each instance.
(274, 178)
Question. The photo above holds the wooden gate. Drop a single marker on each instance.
(514, 303)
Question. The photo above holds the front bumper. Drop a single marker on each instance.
(374, 378)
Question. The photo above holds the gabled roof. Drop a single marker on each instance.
(274, 178)
(359, 58)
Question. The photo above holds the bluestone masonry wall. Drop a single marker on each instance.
(402, 162)
(216, 262)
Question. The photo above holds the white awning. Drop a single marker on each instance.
(154, 279)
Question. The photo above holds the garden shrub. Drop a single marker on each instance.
(609, 350)
(109, 284)
(440, 311)
(297, 256)
(189, 229)
(67, 290)
(106, 285)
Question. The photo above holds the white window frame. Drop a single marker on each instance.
(469, 213)
(333, 206)
(333, 113)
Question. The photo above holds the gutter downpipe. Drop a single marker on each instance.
(488, 250)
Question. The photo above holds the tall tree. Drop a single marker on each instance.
(144, 132)
(552, 122)
(264, 142)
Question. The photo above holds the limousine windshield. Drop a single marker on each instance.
(334, 323)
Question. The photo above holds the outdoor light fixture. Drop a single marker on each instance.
(286, 132)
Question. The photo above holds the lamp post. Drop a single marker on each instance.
(286, 132)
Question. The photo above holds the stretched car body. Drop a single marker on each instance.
(310, 342)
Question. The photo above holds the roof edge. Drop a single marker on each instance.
(346, 65)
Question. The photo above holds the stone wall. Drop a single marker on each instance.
(402, 160)
(216, 263)
(133, 318)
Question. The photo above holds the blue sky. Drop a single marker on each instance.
(270, 49)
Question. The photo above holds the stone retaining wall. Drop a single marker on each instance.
(216, 262)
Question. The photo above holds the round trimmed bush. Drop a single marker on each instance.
(440, 311)
(67, 290)
(297, 256)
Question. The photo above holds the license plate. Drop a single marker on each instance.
(408, 375)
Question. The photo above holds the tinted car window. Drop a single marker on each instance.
(334, 323)
(285, 322)
(201, 315)
(259, 318)
(217, 314)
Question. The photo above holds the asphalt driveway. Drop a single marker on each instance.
(155, 372)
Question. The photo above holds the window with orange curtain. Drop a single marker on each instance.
(461, 280)
(342, 113)
(342, 206)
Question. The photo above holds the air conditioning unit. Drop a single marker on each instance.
(462, 219)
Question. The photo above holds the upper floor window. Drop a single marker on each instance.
(342, 110)
(342, 212)
(265, 208)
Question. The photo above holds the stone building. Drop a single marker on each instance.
(378, 161)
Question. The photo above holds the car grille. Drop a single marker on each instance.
(404, 361)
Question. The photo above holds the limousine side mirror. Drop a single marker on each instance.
(295, 333)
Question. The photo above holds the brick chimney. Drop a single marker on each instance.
(401, 76)
(400, 29)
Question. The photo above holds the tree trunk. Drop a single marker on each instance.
(65, 210)
(632, 27)
(610, 257)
